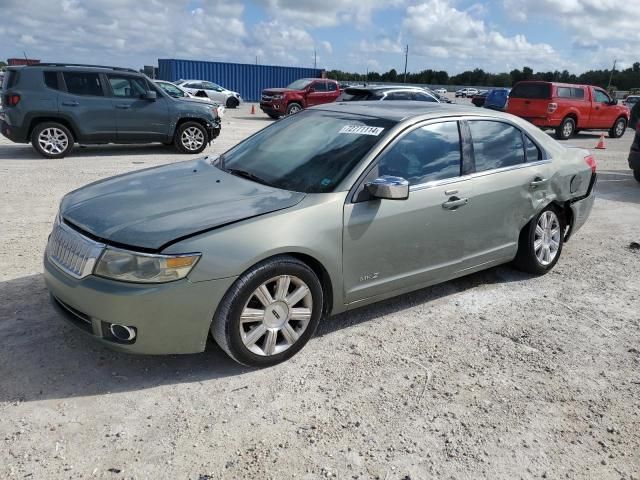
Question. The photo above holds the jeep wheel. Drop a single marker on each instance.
(566, 129)
(293, 108)
(52, 140)
(232, 102)
(618, 128)
(191, 137)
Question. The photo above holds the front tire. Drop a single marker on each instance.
(232, 102)
(293, 108)
(618, 128)
(191, 137)
(540, 243)
(52, 140)
(269, 313)
(566, 129)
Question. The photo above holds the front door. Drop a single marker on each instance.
(317, 94)
(510, 184)
(138, 119)
(395, 245)
(603, 114)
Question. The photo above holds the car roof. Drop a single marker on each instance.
(399, 110)
(379, 88)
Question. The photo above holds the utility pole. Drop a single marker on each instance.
(406, 57)
(611, 76)
(315, 57)
(256, 59)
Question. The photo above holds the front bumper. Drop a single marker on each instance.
(273, 108)
(169, 318)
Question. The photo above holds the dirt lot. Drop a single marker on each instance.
(498, 375)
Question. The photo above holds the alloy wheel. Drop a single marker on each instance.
(53, 140)
(620, 128)
(294, 109)
(547, 238)
(192, 138)
(276, 315)
(567, 129)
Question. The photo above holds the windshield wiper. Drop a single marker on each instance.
(247, 175)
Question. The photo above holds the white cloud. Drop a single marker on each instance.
(328, 13)
(437, 29)
(327, 46)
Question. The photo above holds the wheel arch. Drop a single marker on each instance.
(63, 121)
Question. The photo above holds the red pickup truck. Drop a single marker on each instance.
(567, 108)
(303, 93)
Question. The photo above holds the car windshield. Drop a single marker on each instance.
(299, 84)
(171, 89)
(310, 152)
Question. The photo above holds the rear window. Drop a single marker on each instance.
(10, 79)
(83, 83)
(531, 90)
(570, 92)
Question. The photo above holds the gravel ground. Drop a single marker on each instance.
(498, 375)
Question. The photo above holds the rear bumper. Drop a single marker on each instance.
(17, 135)
(169, 318)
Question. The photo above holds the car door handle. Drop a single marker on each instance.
(538, 182)
(123, 106)
(454, 203)
(70, 104)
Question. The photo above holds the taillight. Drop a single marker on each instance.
(13, 100)
(552, 107)
(591, 161)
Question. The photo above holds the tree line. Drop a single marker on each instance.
(621, 79)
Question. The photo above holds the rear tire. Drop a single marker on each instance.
(52, 140)
(255, 322)
(191, 137)
(540, 243)
(618, 128)
(566, 129)
(636, 174)
(232, 102)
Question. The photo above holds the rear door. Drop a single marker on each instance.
(391, 245)
(510, 184)
(138, 119)
(530, 100)
(82, 100)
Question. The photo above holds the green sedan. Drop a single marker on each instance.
(336, 207)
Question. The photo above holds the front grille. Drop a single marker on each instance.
(72, 252)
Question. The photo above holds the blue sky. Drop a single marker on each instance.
(353, 35)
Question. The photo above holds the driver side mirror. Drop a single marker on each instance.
(150, 96)
(388, 188)
(613, 101)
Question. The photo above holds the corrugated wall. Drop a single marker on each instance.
(246, 79)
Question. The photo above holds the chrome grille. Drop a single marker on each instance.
(72, 252)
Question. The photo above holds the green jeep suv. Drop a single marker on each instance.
(54, 106)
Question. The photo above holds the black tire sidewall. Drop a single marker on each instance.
(612, 132)
(292, 104)
(42, 126)
(178, 138)
(231, 307)
(528, 260)
(560, 131)
(232, 102)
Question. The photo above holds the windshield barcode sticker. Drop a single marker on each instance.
(362, 130)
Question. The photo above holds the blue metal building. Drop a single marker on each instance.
(246, 79)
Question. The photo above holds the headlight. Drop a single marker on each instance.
(144, 268)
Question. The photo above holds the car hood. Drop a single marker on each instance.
(151, 208)
(280, 90)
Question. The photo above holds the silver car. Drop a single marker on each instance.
(202, 88)
(332, 208)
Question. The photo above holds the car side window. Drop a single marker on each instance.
(577, 92)
(495, 145)
(80, 83)
(51, 80)
(319, 86)
(399, 96)
(601, 97)
(425, 154)
(129, 87)
(194, 85)
(331, 87)
(423, 97)
(532, 151)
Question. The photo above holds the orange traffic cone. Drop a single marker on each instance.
(600, 145)
(253, 109)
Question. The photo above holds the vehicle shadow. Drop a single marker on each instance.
(42, 357)
(26, 152)
(618, 185)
